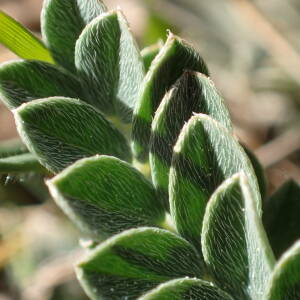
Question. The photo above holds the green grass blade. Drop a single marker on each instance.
(21, 163)
(174, 58)
(192, 93)
(186, 288)
(110, 65)
(205, 154)
(285, 281)
(281, 217)
(135, 261)
(234, 243)
(21, 41)
(23, 81)
(59, 131)
(62, 22)
(104, 195)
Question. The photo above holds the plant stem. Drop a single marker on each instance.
(21, 163)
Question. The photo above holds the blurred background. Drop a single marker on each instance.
(252, 48)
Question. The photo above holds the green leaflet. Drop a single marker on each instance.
(21, 163)
(281, 217)
(192, 93)
(110, 65)
(285, 280)
(259, 171)
(21, 41)
(204, 156)
(175, 57)
(135, 261)
(23, 81)
(12, 147)
(59, 131)
(104, 195)
(62, 23)
(149, 53)
(184, 289)
(234, 243)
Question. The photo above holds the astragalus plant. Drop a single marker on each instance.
(95, 119)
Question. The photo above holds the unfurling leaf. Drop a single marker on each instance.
(205, 154)
(59, 131)
(282, 217)
(285, 280)
(23, 81)
(186, 288)
(135, 261)
(149, 53)
(234, 243)
(192, 93)
(110, 65)
(104, 195)
(62, 23)
(173, 59)
(21, 41)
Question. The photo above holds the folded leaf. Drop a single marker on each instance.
(259, 171)
(186, 288)
(281, 217)
(149, 53)
(12, 147)
(110, 64)
(59, 131)
(21, 41)
(192, 93)
(234, 243)
(21, 163)
(104, 195)
(135, 261)
(62, 23)
(175, 57)
(204, 156)
(285, 281)
(23, 81)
